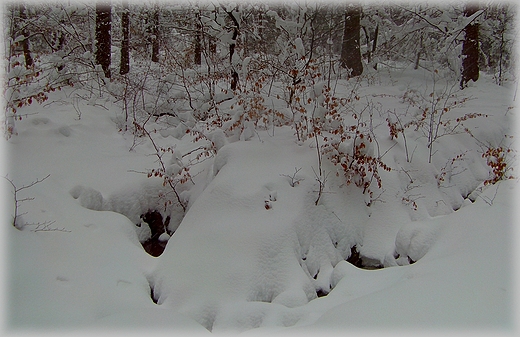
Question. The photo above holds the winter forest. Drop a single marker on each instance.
(259, 167)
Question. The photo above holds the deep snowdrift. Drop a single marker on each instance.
(252, 251)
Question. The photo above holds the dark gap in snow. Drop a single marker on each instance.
(160, 235)
(321, 293)
(372, 267)
(361, 261)
(154, 298)
(354, 257)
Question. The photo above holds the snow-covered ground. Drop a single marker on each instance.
(252, 251)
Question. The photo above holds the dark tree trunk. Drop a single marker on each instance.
(234, 74)
(155, 38)
(232, 45)
(198, 42)
(470, 70)
(350, 48)
(125, 44)
(25, 42)
(103, 36)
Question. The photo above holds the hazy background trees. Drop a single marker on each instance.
(103, 35)
(470, 47)
(350, 47)
(199, 45)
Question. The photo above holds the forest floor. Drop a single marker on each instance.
(254, 253)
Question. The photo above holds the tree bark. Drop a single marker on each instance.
(198, 41)
(419, 53)
(103, 36)
(350, 48)
(25, 42)
(124, 66)
(232, 45)
(374, 44)
(470, 69)
(155, 32)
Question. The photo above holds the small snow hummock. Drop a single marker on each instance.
(414, 240)
(164, 237)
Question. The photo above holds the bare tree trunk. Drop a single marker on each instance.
(418, 58)
(103, 36)
(374, 44)
(470, 69)
(232, 45)
(124, 67)
(25, 42)
(350, 48)
(155, 32)
(198, 41)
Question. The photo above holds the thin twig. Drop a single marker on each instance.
(294, 181)
(17, 201)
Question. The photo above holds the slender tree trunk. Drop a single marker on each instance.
(198, 41)
(212, 42)
(501, 58)
(124, 67)
(25, 42)
(470, 69)
(234, 74)
(198, 48)
(367, 37)
(374, 44)
(232, 45)
(12, 32)
(504, 21)
(103, 36)
(418, 57)
(350, 48)
(155, 32)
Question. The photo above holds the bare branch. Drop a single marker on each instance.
(18, 201)
(294, 181)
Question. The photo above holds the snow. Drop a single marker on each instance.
(463, 282)
(298, 43)
(253, 250)
(414, 239)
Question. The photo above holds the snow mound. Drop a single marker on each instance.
(88, 197)
(164, 237)
(256, 248)
(252, 237)
(414, 240)
(132, 201)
